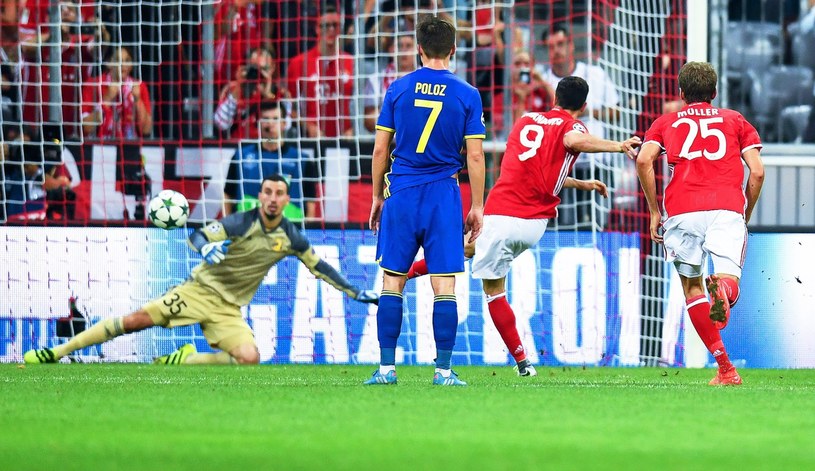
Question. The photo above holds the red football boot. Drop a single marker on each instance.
(726, 378)
(719, 305)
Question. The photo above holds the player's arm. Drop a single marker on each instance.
(584, 142)
(212, 241)
(476, 171)
(318, 267)
(587, 185)
(323, 271)
(645, 172)
(379, 166)
(755, 181)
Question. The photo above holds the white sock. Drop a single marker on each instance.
(385, 369)
(445, 373)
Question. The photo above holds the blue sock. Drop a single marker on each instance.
(445, 323)
(388, 325)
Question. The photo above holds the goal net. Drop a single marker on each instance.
(106, 104)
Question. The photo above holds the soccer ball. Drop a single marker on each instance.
(169, 210)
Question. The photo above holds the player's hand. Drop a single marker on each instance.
(474, 223)
(630, 147)
(135, 91)
(656, 223)
(215, 252)
(599, 187)
(376, 213)
(367, 296)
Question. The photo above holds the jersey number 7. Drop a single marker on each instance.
(435, 110)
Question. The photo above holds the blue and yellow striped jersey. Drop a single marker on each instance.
(431, 113)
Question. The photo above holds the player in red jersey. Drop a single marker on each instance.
(706, 206)
(540, 153)
(322, 80)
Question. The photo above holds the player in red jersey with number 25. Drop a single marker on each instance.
(706, 206)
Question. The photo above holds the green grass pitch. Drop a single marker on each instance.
(121, 416)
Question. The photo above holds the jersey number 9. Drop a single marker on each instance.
(533, 142)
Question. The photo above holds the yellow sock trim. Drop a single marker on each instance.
(386, 292)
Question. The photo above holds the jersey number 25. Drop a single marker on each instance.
(706, 131)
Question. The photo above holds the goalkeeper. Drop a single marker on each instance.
(238, 252)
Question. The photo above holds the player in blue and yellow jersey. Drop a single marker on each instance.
(238, 252)
(429, 113)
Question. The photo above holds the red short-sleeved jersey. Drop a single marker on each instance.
(535, 166)
(323, 86)
(33, 14)
(704, 145)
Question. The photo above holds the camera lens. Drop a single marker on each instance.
(252, 72)
(524, 76)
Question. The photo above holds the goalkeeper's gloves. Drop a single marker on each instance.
(214, 252)
(367, 296)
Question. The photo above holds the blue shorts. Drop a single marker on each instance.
(427, 216)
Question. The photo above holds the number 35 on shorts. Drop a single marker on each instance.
(174, 303)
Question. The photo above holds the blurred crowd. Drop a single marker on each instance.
(92, 71)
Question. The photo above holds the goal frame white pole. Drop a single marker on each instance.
(698, 30)
(698, 18)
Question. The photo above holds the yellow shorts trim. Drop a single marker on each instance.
(393, 272)
(445, 274)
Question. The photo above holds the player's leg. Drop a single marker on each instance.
(726, 241)
(505, 322)
(419, 267)
(442, 229)
(502, 240)
(244, 354)
(684, 238)
(396, 248)
(699, 313)
(178, 357)
(221, 322)
(225, 330)
(389, 326)
(445, 325)
(102, 331)
(722, 288)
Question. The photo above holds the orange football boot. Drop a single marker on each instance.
(719, 304)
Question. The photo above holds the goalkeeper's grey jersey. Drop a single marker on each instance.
(252, 253)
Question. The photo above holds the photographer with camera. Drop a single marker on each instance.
(241, 98)
(36, 184)
(530, 92)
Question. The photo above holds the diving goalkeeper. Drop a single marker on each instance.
(238, 252)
